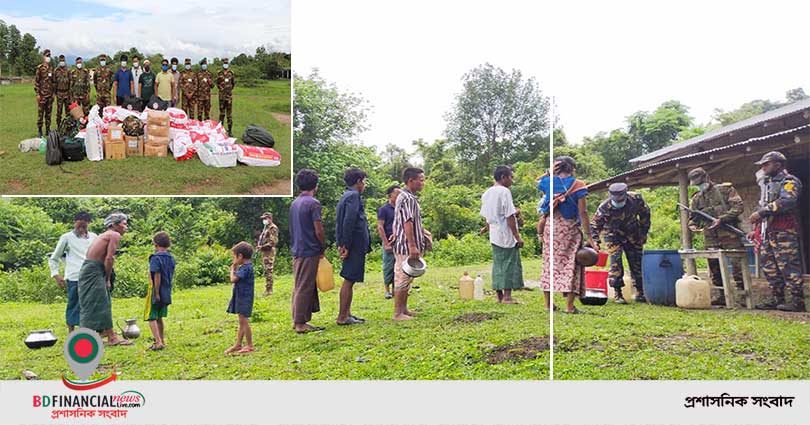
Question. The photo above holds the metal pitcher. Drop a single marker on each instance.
(131, 331)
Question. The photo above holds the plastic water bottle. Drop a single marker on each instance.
(478, 292)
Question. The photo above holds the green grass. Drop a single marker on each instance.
(642, 341)
(430, 347)
(27, 173)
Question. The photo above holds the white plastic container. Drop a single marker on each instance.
(466, 287)
(478, 288)
(693, 292)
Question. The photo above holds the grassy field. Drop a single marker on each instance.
(267, 105)
(642, 341)
(434, 346)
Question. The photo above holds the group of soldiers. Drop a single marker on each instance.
(195, 88)
(624, 220)
(73, 85)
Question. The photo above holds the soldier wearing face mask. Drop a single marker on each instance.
(61, 77)
(188, 86)
(44, 88)
(624, 219)
(80, 85)
(779, 250)
(722, 202)
(103, 80)
(205, 82)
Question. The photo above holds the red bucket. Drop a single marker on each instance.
(596, 280)
(603, 258)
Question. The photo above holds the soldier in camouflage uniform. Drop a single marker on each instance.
(44, 88)
(226, 81)
(103, 78)
(205, 82)
(780, 248)
(267, 245)
(625, 219)
(723, 203)
(61, 77)
(80, 85)
(188, 86)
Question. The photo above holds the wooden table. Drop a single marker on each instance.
(724, 256)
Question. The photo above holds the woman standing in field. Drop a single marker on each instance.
(569, 213)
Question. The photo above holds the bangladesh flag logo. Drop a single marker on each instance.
(83, 350)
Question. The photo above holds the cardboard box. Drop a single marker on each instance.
(157, 118)
(134, 145)
(158, 130)
(155, 150)
(157, 140)
(115, 150)
(115, 133)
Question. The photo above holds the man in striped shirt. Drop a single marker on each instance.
(409, 238)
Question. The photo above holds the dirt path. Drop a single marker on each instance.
(282, 118)
(278, 187)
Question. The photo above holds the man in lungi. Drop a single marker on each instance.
(353, 240)
(307, 237)
(500, 213)
(410, 238)
(95, 281)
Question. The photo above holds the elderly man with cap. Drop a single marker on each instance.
(205, 82)
(226, 81)
(779, 248)
(103, 80)
(96, 280)
(80, 85)
(722, 202)
(625, 220)
(44, 87)
(267, 242)
(61, 79)
(188, 84)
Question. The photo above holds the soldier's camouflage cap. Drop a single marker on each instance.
(46, 52)
(618, 190)
(771, 156)
(697, 175)
(61, 57)
(267, 214)
(187, 61)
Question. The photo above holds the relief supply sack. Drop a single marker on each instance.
(93, 145)
(258, 156)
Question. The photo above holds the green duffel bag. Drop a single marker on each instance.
(257, 136)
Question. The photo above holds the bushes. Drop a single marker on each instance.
(32, 284)
(208, 266)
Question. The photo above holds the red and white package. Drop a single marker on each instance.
(258, 156)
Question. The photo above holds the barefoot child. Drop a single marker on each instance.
(159, 295)
(242, 297)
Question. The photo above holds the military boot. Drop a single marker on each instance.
(795, 305)
(640, 298)
(618, 298)
(230, 129)
(39, 131)
(770, 303)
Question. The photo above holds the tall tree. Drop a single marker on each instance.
(395, 161)
(29, 55)
(495, 118)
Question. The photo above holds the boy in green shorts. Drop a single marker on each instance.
(159, 295)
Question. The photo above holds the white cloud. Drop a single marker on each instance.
(176, 28)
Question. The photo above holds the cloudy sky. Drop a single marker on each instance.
(601, 60)
(179, 28)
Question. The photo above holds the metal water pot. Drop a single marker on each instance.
(41, 338)
(131, 331)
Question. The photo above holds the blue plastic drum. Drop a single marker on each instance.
(660, 269)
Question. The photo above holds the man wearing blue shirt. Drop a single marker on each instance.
(122, 82)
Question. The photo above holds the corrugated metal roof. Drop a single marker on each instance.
(750, 122)
(603, 183)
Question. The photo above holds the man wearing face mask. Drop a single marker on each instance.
(61, 77)
(226, 81)
(103, 79)
(723, 203)
(205, 82)
(267, 242)
(136, 76)
(188, 83)
(176, 86)
(625, 220)
(122, 82)
(146, 82)
(780, 248)
(44, 88)
(80, 85)
(164, 82)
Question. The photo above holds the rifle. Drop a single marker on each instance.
(709, 218)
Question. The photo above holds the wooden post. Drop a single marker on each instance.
(686, 235)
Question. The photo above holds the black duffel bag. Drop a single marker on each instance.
(72, 150)
(157, 104)
(133, 104)
(257, 136)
